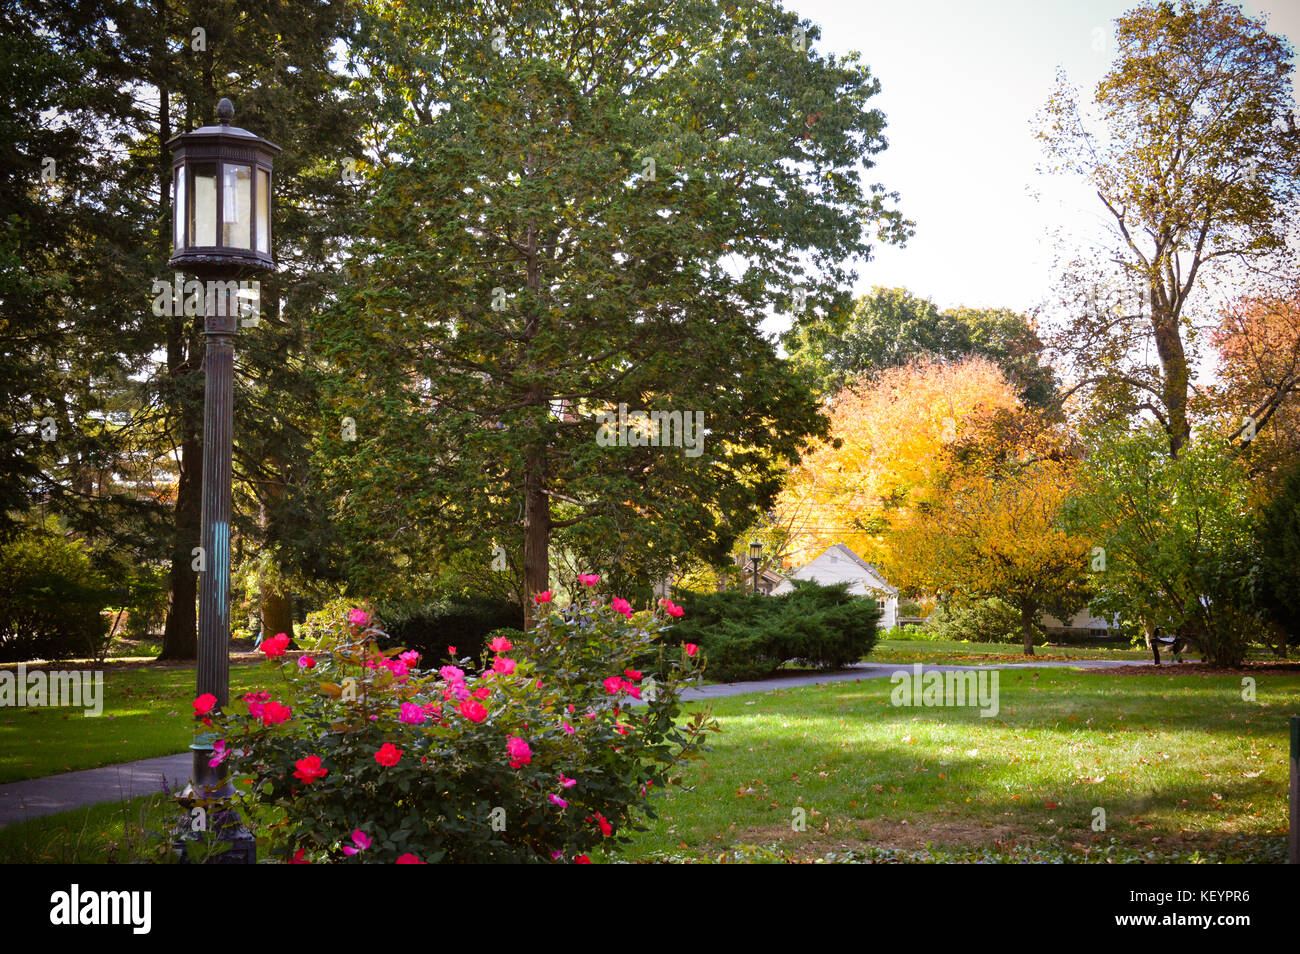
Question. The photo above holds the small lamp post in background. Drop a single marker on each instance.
(221, 195)
(755, 555)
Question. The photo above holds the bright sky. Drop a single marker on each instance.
(961, 83)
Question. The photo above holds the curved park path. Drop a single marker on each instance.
(22, 801)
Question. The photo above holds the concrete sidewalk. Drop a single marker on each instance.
(21, 801)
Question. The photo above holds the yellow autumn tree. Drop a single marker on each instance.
(999, 533)
(888, 454)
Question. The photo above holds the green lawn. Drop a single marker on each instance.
(1178, 762)
(146, 712)
(114, 832)
(1183, 767)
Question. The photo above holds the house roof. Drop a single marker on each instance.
(839, 564)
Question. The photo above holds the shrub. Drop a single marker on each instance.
(539, 758)
(748, 637)
(982, 621)
(465, 622)
(51, 599)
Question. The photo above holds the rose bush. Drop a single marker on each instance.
(556, 745)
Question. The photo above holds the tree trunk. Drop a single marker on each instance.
(181, 632)
(537, 531)
(1027, 626)
(1173, 362)
(276, 606)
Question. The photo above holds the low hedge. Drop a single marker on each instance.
(748, 637)
(984, 621)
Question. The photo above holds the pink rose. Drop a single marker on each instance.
(256, 702)
(503, 665)
(501, 645)
(543, 597)
(613, 685)
(452, 674)
(691, 649)
(204, 703)
(556, 800)
(620, 605)
(588, 579)
(360, 840)
(410, 657)
(388, 755)
(306, 662)
(412, 714)
(567, 782)
(520, 753)
(219, 753)
(358, 617)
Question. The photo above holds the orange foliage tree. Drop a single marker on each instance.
(888, 453)
(999, 533)
(1259, 371)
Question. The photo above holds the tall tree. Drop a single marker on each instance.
(891, 327)
(1195, 159)
(583, 207)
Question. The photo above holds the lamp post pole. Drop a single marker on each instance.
(219, 330)
(222, 233)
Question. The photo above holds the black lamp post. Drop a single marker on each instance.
(755, 554)
(221, 194)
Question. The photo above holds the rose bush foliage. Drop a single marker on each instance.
(555, 746)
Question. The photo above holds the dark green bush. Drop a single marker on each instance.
(747, 637)
(465, 622)
(51, 599)
(984, 621)
(1277, 577)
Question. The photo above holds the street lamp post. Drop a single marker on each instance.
(755, 554)
(221, 194)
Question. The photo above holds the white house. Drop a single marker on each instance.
(839, 564)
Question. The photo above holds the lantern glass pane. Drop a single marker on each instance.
(203, 215)
(178, 209)
(236, 206)
(263, 211)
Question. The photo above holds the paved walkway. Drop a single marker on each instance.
(20, 801)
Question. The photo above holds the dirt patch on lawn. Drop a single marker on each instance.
(881, 833)
(1265, 668)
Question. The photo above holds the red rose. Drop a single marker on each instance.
(388, 754)
(276, 646)
(309, 769)
(273, 713)
(473, 710)
(204, 703)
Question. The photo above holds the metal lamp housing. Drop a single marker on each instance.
(221, 197)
